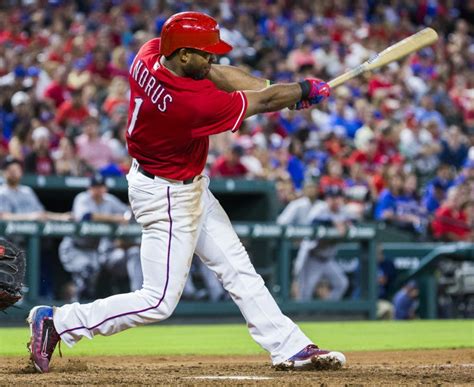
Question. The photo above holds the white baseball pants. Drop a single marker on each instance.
(177, 220)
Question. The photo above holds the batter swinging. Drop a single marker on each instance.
(178, 99)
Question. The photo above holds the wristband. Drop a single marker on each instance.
(269, 82)
(305, 89)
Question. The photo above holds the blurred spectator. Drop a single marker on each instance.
(229, 164)
(252, 158)
(117, 96)
(316, 259)
(72, 113)
(296, 212)
(406, 302)
(426, 112)
(85, 257)
(386, 274)
(78, 77)
(20, 143)
(453, 147)
(467, 174)
(419, 146)
(436, 189)
(450, 221)
(65, 160)
(39, 161)
(334, 176)
(57, 91)
(367, 155)
(114, 136)
(357, 191)
(19, 202)
(398, 205)
(94, 151)
(295, 163)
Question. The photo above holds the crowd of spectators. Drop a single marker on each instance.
(399, 142)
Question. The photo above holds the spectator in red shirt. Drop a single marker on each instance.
(101, 69)
(469, 210)
(333, 177)
(450, 221)
(117, 95)
(229, 164)
(71, 114)
(367, 155)
(57, 91)
(39, 161)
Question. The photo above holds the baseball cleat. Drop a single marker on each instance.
(313, 358)
(43, 338)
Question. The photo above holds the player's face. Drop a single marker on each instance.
(198, 64)
(98, 192)
(13, 174)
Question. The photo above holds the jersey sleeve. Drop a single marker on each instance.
(34, 200)
(117, 207)
(5, 204)
(218, 112)
(80, 207)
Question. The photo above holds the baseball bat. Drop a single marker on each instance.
(413, 43)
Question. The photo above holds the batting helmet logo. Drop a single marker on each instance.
(192, 30)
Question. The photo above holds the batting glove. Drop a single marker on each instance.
(313, 91)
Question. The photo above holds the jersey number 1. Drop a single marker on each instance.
(133, 120)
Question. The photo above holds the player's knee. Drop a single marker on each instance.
(162, 305)
(344, 282)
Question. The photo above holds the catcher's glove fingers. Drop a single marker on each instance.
(12, 273)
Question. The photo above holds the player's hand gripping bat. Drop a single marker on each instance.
(395, 52)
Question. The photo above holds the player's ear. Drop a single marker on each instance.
(184, 55)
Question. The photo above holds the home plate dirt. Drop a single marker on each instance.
(440, 367)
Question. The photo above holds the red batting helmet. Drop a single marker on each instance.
(192, 30)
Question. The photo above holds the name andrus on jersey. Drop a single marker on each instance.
(152, 88)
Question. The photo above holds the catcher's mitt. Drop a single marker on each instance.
(12, 273)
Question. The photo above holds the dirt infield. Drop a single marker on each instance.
(438, 367)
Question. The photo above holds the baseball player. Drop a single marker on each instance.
(178, 99)
(84, 257)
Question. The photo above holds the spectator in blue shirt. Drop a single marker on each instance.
(454, 147)
(427, 112)
(467, 173)
(296, 167)
(398, 204)
(436, 189)
(406, 302)
(387, 202)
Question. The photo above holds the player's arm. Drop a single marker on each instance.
(230, 78)
(280, 96)
(108, 218)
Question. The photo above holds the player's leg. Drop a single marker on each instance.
(213, 285)
(169, 216)
(221, 250)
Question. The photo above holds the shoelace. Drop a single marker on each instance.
(55, 339)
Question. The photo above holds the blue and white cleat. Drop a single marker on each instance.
(44, 337)
(313, 358)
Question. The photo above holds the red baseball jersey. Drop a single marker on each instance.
(171, 117)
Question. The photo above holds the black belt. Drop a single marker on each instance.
(151, 176)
